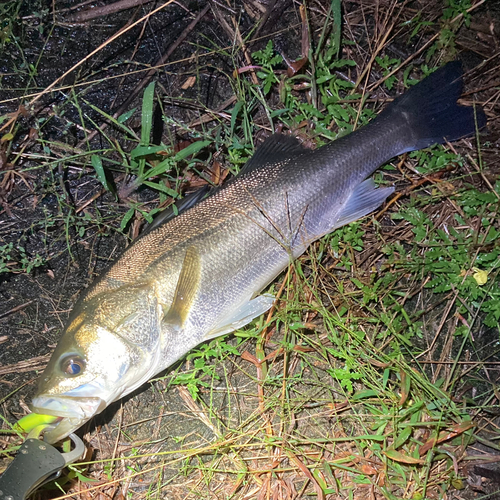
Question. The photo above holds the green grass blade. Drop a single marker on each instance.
(147, 114)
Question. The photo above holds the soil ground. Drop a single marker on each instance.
(59, 228)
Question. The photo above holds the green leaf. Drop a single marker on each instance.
(162, 167)
(337, 25)
(143, 151)
(82, 478)
(111, 119)
(365, 394)
(147, 113)
(101, 174)
(402, 437)
(234, 114)
(324, 78)
(191, 150)
(161, 187)
(126, 218)
(278, 112)
(123, 118)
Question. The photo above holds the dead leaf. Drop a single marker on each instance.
(188, 83)
(401, 457)
(368, 470)
(452, 432)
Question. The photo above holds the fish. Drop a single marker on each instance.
(200, 274)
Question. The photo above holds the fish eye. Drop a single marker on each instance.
(72, 365)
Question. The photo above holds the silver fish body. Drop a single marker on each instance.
(198, 276)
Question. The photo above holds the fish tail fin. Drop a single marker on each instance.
(431, 112)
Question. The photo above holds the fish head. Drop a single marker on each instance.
(104, 353)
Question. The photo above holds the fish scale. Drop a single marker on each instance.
(198, 275)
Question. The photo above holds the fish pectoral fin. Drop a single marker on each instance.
(363, 200)
(186, 289)
(275, 148)
(242, 316)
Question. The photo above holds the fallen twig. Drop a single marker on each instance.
(105, 10)
(29, 365)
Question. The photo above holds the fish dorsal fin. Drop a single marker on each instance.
(275, 148)
(186, 203)
(185, 291)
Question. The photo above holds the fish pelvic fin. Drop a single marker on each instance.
(430, 112)
(185, 291)
(241, 316)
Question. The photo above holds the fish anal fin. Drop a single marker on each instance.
(363, 200)
(185, 291)
(242, 316)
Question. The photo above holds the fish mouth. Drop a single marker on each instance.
(73, 413)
